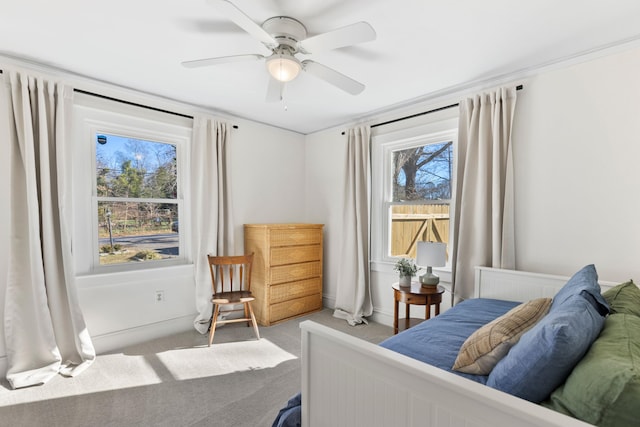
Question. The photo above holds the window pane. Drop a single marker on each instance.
(414, 223)
(422, 173)
(127, 167)
(137, 231)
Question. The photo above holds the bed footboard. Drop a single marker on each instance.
(347, 381)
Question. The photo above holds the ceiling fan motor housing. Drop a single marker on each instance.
(286, 30)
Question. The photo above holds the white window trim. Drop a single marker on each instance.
(96, 116)
(382, 147)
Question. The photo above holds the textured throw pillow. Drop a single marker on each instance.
(486, 346)
(546, 354)
(604, 388)
(624, 298)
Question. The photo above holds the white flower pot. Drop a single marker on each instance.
(404, 280)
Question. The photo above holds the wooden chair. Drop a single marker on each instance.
(231, 284)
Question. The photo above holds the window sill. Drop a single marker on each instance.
(106, 278)
(387, 267)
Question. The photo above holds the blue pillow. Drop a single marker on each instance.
(585, 280)
(547, 353)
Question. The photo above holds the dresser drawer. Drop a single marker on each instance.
(295, 307)
(292, 290)
(301, 236)
(294, 254)
(295, 272)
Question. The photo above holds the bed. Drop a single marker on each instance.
(348, 381)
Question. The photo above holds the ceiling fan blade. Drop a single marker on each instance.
(333, 77)
(220, 60)
(346, 36)
(243, 21)
(275, 90)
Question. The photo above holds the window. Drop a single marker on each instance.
(136, 195)
(418, 209)
(413, 187)
(129, 187)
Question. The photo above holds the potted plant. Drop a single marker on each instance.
(406, 269)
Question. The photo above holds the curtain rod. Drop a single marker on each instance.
(435, 110)
(122, 101)
(186, 116)
(136, 104)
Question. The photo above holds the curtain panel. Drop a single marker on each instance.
(45, 331)
(212, 217)
(484, 210)
(353, 297)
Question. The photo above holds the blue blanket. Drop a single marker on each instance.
(438, 340)
(435, 342)
(290, 415)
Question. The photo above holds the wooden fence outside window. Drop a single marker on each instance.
(413, 223)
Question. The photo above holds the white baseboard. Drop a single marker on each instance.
(379, 316)
(119, 339)
(382, 317)
(328, 301)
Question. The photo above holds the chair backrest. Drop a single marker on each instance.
(230, 273)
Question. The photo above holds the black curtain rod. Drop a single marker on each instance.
(133, 103)
(435, 110)
(97, 95)
(137, 105)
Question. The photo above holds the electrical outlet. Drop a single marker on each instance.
(159, 296)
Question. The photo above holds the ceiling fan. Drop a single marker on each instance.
(286, 37)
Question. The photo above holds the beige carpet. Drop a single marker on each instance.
(179, 381)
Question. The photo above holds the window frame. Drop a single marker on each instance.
(382, 186)
(97, 117)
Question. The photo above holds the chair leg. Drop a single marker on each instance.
(246, 314)
(253, 320)
(214, 320)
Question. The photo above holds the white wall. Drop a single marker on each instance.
(576, 148)
(324, 193)
(576, 152)
(268, 176)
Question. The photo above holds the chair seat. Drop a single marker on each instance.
(232, 297)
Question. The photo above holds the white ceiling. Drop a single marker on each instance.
(423, 47)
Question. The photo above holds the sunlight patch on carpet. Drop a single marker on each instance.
(223, 358)
(108, 372)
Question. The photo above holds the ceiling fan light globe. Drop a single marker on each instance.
(283, 68)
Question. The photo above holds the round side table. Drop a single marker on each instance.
(417, 295)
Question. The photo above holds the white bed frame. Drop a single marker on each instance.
(347, 381)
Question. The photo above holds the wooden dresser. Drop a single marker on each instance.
(287, 269)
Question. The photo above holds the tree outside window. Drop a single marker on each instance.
(136, 189)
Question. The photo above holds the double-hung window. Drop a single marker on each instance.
(129, 193)
(413, 189)
(137, 201)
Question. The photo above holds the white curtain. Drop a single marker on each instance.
(484, 223)
(353, 296)
(45, 332)
(212, 217)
